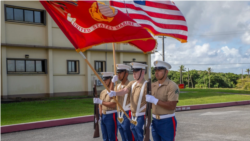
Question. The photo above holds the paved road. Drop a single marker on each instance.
(220, 124)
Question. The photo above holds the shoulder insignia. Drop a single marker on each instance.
(177, 91)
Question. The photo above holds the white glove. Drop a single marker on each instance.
(112, 93)
(115, 78)
(151, 99)
(97, 100)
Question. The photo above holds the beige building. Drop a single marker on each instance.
(37, 60)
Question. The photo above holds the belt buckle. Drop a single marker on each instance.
(157, 117)
(134, 122)
(120, 119)
(133, 114)
(104, 112)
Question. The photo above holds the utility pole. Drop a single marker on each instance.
(163, 54)
(180, 74)
(242, 75)
(242, 78)
(188, 77)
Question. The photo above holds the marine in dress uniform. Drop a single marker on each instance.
(122, 121)
(107, 110)
(165, 95)
(137, 99)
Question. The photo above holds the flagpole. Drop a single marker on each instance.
(86, 60)
(114, 60)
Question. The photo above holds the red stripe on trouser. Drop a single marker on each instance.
(115, 127)
(174, 126)
(133, 138)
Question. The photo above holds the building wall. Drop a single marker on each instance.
(2, 49)
(15, 34)
(31, 4)
(59, 39)
(25, 83)
(1, 92)
(64, 82)
(34, 53)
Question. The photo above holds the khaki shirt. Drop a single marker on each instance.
(121, 98)
(105, 98)
(168, 91)
(134, 97)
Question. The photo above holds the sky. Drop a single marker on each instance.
(218, 36)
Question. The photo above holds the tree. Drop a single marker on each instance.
(243, 84)
(153, 78)
(193, 77)
(248, 70)
(181, 70)
(209, 71)
(205, 78)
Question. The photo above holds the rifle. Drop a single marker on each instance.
(147, 121)
(96, 114)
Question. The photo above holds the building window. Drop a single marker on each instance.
(22, 14)
(73, 66)
(100, 66)
(26, 66)
(131, 71)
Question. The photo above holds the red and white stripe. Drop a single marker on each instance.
(159, 17)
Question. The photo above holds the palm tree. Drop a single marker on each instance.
(248, 70)
(191, 80)
(181, 69)
(209, 71)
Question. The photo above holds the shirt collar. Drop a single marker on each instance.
(126, 83)
(165, 83)
(141, 83)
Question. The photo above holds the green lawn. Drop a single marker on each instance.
(205, 96)
(22, 112)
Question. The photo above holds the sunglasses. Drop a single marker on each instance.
(159, 68)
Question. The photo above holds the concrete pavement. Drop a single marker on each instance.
(219, 124)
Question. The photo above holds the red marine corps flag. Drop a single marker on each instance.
(90, 23)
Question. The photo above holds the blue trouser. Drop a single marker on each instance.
(124, 128)
(164, 129)
(109, 127)
(137, 130)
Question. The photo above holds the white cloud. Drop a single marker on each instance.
(217, 20)
(230, 52)
(246, 38)
(201, 50)
(202, 53)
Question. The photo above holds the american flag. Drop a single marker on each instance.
(161, 18)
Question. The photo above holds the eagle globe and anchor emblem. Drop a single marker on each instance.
(101, 12)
